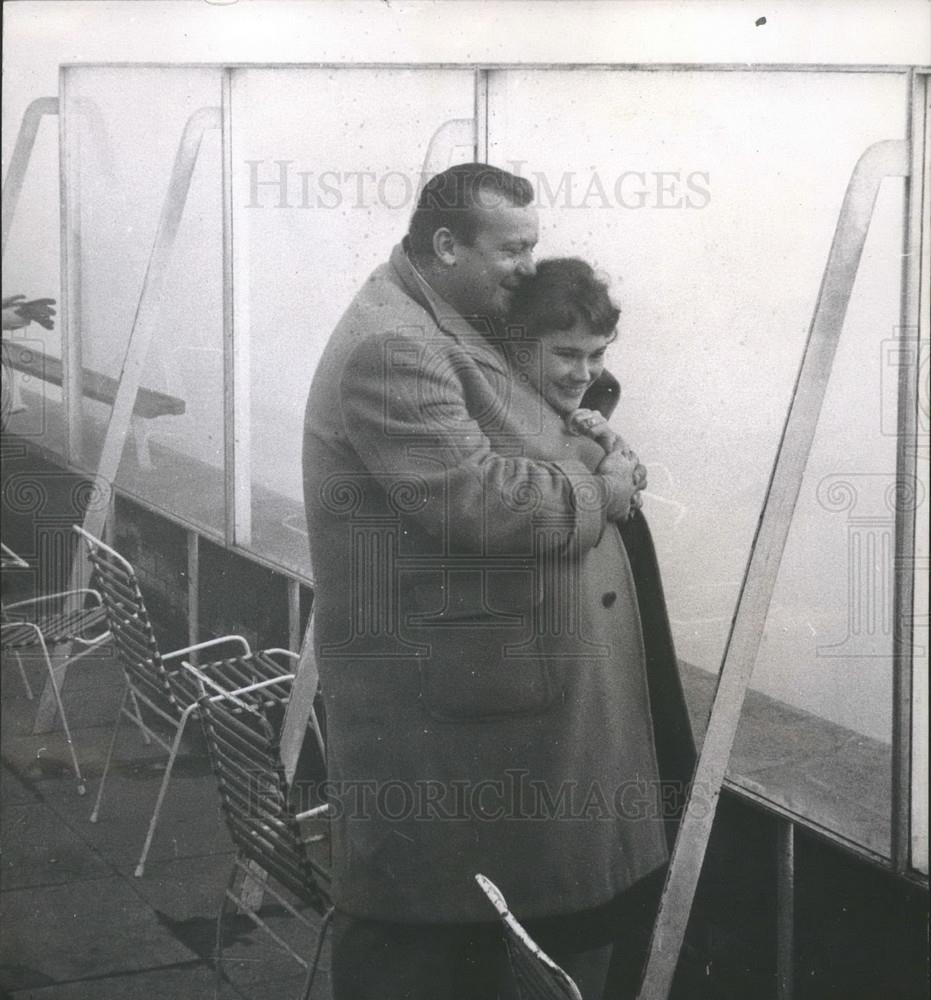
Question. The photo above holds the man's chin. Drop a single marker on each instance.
(501, 309)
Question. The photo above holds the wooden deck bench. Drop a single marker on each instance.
(150, 403)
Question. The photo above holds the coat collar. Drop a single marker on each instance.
(603, 394)
(480, 347)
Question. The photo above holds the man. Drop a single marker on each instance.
(466, 563)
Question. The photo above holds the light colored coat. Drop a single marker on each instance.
(481, 655)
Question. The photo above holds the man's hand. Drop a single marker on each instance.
(618, 470)
(17, 312)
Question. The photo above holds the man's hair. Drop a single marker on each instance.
(563, 291)
(453, 199)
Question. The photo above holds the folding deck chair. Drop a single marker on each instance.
(243, 733)
(536, 975)
(165, 684)
(69, 618)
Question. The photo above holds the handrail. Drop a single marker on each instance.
(25, 142)
(882, 159)
(19, 160)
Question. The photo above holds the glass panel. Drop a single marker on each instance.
(711, 199)
(31, 403)
(323, 188)
(124, 127)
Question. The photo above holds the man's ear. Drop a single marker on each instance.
(444, 246)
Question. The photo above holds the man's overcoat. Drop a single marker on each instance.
(487, 675)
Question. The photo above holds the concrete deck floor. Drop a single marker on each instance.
(75, 924)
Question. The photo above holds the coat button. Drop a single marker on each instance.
(609, 598)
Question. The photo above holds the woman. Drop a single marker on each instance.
(567, 320)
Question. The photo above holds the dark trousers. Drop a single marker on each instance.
(379, 960)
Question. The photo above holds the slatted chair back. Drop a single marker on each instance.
(244, 750)
(536, 975)
(130, 625)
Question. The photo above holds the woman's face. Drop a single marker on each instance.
(570, 360)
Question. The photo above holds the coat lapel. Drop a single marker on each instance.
(479, 346)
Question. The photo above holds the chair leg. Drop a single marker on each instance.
(146, 738)
(22, 673)
(312, 970)
(82, 788)
(218, 951)
(106, 767)
(175, 746)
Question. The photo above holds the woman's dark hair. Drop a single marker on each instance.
(563, 291)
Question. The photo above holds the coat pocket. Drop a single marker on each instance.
(481, 660)
(469, 675)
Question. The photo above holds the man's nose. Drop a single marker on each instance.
(525, 265)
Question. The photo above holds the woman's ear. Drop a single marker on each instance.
(444, 246)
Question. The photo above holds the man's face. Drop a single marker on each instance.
(570, 360)
(482, 281)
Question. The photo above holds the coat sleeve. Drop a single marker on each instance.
(410, 410)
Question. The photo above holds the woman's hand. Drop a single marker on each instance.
(591, 424)
(17, 312)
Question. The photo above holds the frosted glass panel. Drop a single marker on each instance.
(711, 199)
(323, 188)
(123, 131)
(31, 405)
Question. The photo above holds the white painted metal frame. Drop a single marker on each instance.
(237, 341)
(910, 776)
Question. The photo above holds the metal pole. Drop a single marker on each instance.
(785, 909)
(907, 485)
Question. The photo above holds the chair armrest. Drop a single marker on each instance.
(233, 695)
(206, 645)
(204, 679)
(284, 652)
(314, 825)
(11, 559)
(34, 601)
(315, 813)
